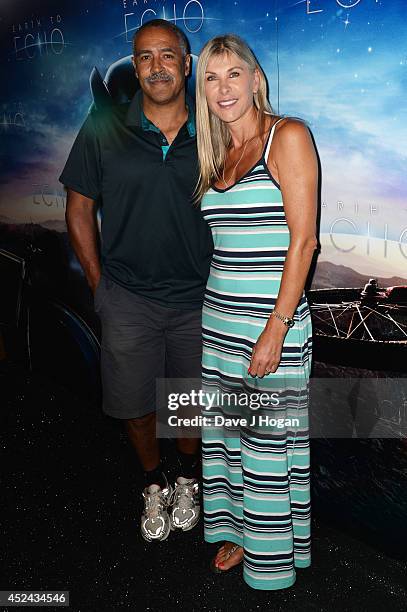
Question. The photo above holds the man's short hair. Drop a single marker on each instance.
(166, 25)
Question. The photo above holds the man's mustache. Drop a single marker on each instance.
(159, 76)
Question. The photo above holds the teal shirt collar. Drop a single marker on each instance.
(147, 125)
(136, 117)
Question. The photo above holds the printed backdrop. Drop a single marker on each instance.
(339, 64)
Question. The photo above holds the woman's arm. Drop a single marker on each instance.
(293, 163)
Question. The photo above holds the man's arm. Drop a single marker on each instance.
(81, 221)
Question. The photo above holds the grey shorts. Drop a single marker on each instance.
(143, 341)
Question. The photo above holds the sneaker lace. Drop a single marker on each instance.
(182, 496)
(154, 504)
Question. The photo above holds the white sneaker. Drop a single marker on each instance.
(155, 522)
(185, 504)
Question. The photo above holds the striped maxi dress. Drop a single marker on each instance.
(256, 482)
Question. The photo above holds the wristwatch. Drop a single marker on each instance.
(286, 320)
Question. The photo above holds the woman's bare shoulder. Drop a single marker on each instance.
(291, 129)
(291, 141)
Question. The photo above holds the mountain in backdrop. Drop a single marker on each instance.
(56, 225)
(329, 275)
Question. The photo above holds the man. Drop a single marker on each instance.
(139, 159)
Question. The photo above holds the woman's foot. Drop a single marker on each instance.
(228, 556)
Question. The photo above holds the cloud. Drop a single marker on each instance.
(361, 135)
(37, 153)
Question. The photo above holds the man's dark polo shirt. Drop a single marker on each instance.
(154, 240)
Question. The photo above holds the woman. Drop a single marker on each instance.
(258, 179)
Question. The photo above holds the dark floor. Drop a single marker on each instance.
(70, 513)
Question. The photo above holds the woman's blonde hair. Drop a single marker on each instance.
(213, 136)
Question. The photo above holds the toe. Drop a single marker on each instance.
(220, 557)
(221, 554)
(234, 559)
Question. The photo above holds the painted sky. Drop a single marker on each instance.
(343, 70)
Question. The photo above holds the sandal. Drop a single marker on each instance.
(216, 570)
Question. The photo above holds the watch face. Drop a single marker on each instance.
(289, 322)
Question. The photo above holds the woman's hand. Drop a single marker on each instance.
(266, 353)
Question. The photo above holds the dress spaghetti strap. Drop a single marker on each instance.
(270, 138)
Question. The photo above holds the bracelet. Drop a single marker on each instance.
(288, 322)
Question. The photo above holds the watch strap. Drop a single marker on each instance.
(288, 321)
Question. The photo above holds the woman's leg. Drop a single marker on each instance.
(276, 498)
(268, 529)
(222, 487)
